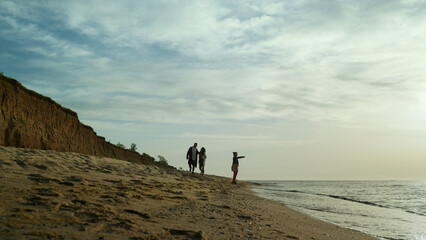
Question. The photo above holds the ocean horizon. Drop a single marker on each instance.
(386, 209)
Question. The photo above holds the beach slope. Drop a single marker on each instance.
(59, 195)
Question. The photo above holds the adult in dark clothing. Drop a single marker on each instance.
(192, 155)
(202, 159)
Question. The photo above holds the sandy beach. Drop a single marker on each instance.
(59, 195)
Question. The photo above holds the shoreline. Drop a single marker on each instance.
(57, 195)
(308, 227)
(309, 216)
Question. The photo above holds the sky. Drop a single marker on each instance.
(306, 90)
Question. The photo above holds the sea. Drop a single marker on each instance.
(385, 209)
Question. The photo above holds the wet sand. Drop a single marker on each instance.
(56, 195)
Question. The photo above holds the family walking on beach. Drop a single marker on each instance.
(193, 154)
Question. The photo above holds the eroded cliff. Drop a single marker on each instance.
(31, 120)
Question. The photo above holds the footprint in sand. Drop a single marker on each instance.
(38, 178)
(21, 163)
(47, 192)
(142, 215)
(41, 167)
(73, 179)
(37, 201)
(188, 234)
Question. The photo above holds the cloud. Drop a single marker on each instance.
(272, 78)
(269, 140)
(318, 61)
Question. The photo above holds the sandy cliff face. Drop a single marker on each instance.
(30, 120)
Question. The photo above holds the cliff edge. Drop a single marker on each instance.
(31, 120)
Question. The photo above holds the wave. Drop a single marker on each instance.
(351, 200)
(421, 214)
(337, 197)
(389, 238)
(386, 209)
(354, 200)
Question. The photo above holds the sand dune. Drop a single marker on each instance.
(57, 195)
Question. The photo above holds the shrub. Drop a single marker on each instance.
(162, 160)
(120, 145)
(133, 147)
(146, 156)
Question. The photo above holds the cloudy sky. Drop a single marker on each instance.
(305, 89)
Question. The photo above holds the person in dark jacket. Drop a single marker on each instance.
(192, 155)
